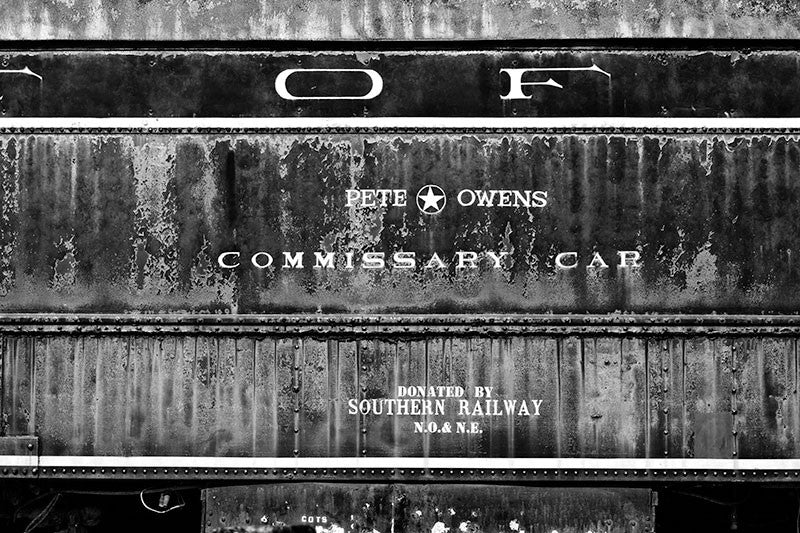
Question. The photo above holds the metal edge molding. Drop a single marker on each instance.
(424, 468)
(402, 325)
(405, 125)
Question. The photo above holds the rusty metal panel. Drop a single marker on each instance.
(431, 507)
(766, 392)
(708, 383)
(27, 446)
(416, 20)
(284, 396)
(18, 386)
(715, 229)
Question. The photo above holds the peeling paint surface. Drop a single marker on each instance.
(135, 223)
(283, 396)
(428, 509)
(409, 20)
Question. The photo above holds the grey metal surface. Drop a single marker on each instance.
(23, 446)
(123, 223)
(280, 395)
(409, 20)
(431, 507)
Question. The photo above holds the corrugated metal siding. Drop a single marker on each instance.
(279, 396)
(135, 222)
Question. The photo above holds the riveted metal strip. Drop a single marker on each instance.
(402, 325)
(443, 469)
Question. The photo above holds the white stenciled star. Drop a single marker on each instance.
(429, 202)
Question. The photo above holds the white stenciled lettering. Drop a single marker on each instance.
(222, 259)
(497, 258)
(467, 259)
(292, 260)
(597, 261)
(375, 79)
(261, 260)
(323, 260)
(373, 260)
(516, 85)
(629, 258)
(567, 260)
(404, 260)
(435, 262)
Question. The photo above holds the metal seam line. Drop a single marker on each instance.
(404, 463)
(446, 123)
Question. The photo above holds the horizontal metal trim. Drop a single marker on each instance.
(379, 324)
(22, 461)
(419, 125)
(411, 468)
(424, 463)
(478, 44)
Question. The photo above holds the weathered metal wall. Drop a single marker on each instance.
(207, 83)
(429, 508)
(268, 395)
(135, 222)
(408, 20)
